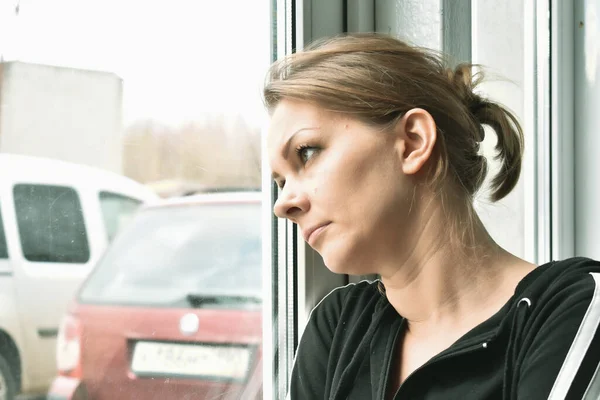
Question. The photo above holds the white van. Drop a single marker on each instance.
(56, 219)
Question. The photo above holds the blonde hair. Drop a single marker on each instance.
(377, 78)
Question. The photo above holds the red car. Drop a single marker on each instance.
(173, 309)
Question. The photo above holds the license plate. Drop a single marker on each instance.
(191, 360)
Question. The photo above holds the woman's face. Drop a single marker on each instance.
(342, 182)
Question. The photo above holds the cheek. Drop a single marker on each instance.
(368, 173)
(329, 183)
(377, 190)
(351, 178)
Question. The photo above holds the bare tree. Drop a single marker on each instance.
(215, 151)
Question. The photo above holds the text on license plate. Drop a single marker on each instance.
(197, 360)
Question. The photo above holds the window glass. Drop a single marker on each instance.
(166, 94)
(3, 246)
(51, 225)
(182, 256)
(116, 210)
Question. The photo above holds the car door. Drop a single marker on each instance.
(53, 257)
(9, 322)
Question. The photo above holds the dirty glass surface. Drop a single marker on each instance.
(109, 107)
(51, 225)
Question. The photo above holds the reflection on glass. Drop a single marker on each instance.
(166, 93)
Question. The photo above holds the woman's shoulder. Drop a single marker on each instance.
(555, 329)
(569, 268)
(577, 264)
(556, 277)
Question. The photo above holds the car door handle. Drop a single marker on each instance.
(47, 332)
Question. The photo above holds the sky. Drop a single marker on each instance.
(178, 59)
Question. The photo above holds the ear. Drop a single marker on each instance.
(416, 133)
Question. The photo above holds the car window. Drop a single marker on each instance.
(183, 256)
(117, 210)
(3, 246)
(51, 224)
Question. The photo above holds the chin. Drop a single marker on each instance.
(342, 262)
(336, 268)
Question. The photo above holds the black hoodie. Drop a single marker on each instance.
(543, 344)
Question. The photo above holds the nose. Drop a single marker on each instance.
(291, 203)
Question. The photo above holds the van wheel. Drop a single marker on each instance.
(8, 385)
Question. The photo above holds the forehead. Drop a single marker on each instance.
(289, 116)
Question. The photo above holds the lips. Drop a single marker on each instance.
(313, 231)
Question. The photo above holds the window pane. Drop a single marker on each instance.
(51, 225)
(116, 210)
(166, 95)
(3, 246)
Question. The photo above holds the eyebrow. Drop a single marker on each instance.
(288, 142)
(286, 147)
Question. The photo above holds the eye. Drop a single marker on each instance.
(306, 152)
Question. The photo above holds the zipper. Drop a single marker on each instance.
(480, 345)
(389, 362)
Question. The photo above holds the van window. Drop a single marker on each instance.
(116, 211)
(3, 246)
(51, 224)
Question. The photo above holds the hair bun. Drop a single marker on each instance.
(464, 81)
(477, 107)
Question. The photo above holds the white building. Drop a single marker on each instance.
(64, 113)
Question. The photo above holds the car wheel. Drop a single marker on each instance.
(8, 385)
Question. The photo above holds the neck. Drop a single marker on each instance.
(441, 283)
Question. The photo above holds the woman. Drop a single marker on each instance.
(375, 146)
